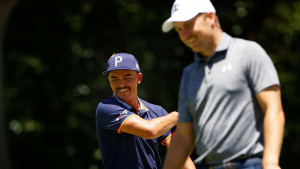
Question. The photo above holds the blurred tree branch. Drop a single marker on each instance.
(6, 7)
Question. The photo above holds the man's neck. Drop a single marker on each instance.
(212, 47)
(132, 103)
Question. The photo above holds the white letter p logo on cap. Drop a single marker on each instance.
(118, 59)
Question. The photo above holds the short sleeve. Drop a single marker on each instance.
(167, 136)
(184, 113)
(261, 70)
(112, 116)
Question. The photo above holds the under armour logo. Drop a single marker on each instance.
(226, 68)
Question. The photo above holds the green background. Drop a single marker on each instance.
(53, 54)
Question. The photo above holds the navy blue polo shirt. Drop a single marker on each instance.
(122, 150)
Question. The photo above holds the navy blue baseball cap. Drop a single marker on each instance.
(122, 61)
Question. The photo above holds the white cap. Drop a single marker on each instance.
(184, 10)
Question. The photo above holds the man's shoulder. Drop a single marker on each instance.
(249, 48)
(189, 66)
(152, 107)
(240, 42)
(108, 103)
(109, 99)
(148, 104)
(192, 67)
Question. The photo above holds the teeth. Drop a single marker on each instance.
(123, 90)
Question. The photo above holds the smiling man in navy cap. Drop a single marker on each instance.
(129, 128)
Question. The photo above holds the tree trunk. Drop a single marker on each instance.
(6, 7)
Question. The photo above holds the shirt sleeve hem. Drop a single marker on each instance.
(120, 128)
(165, 140)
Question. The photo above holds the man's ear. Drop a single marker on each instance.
(140, 77)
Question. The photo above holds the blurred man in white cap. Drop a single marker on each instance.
(229, 99)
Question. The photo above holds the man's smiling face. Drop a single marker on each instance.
(124, 84)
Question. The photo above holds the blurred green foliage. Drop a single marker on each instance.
(55, 52)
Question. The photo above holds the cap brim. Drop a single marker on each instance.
(168, 24)
(107, 71)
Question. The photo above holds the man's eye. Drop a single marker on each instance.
(177, 30)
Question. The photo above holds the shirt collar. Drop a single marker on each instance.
(223, 45)
(142, 106)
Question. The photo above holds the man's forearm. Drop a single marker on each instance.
(270, 102)
(181, 146)
(150, 129)
(189, 164)
(164, 124)
(273, 133)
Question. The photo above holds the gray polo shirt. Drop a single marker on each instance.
(218, 96)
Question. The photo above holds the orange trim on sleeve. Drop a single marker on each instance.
(164, 141)
(119, 130)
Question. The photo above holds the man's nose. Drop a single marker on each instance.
(122, 83)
